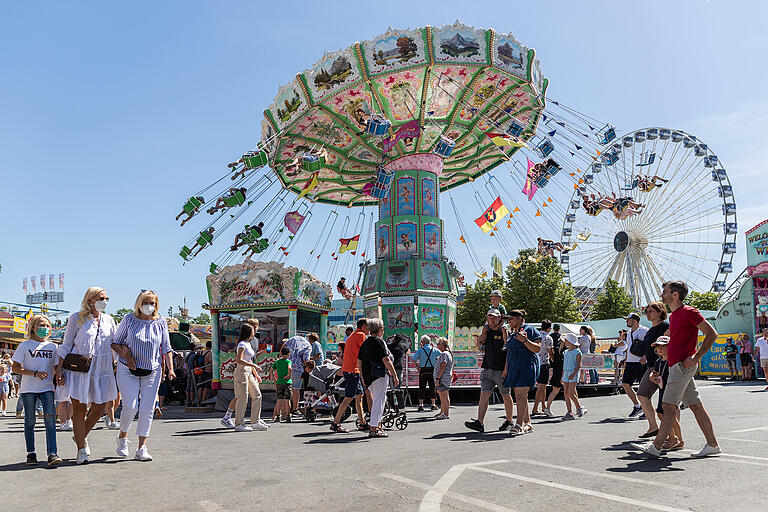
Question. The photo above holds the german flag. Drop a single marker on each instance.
(492, 215)
(349, 244)
(504, 139)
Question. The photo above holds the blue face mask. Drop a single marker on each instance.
(43, 332)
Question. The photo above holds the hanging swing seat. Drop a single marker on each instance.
(312, 163)
(445, 146)
(382, 184)
(185, 253)
(192, 204)
(377, 125)
(545, 148)
(482, 274)
(255, 159)
(584, 236)
(514, 264)
(607, 134)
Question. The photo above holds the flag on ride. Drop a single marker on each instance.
(293, 221)
(410, 129)
(33, 285)
(51, 284)
(530, 187)
(349, 244)
(61, 281)
(504, 139)
(311, 183)
(498, 268)
(24, 284)
(492, 215)
(42, 281)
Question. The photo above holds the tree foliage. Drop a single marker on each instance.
(539, 289)
(708, 301)
(472, 311)
(120, 313)
(203, 318)
(613, 302)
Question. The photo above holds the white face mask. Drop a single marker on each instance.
(100, 305)
(147, 309)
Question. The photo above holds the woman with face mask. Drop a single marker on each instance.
(89, 334)
(140, 341)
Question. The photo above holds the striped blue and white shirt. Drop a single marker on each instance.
(147, 339)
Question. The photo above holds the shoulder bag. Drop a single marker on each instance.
(637, 348)
(78, 362)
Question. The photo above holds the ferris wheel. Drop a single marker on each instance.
(656, 205)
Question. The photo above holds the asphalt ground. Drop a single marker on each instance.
(584, 464)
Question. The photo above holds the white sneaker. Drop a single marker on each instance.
(261, 422)
(547, 412)
(66, 426)
(87, 448)
(142, 454)
(113, 425)
(227, 422)
(581, 411)
(3, 413)
(259, 426)
(105, 419)
(648, 449)
(122, 446)
(707, 451)
(82, 456)
(243, 428)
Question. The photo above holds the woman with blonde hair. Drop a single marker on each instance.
(443, 375)
(140, 342)
(88, 335)
(35, 360)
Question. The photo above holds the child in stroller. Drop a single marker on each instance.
(326, 390)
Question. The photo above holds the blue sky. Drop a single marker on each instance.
(112, 114)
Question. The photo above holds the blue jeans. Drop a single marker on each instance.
(49, 418)
(20, 405)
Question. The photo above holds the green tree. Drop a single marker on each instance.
(203, 318)
(473, 309)
(708, 301)
(120, 313)
(539, 289)
(613, 302)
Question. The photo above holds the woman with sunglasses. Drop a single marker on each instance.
(656, 313)
(89, 333)
(140, 341)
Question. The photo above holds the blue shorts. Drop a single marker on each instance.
(352, 385)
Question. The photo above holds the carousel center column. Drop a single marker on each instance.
(216, 383)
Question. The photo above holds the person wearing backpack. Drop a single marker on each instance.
(556, 363)
(425, 358)
(634, 368)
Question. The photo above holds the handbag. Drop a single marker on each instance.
(637, 348)
(78, 362)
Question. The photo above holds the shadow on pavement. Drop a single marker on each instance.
(472, 436)
(202, 432)
(338, 439)
(643, 464)
(613, 420)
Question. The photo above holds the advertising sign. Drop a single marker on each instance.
(713, 363)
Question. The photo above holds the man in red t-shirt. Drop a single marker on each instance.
(685, 322)
(353, 388)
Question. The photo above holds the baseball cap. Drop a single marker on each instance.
(633, 316)
(661, 340)
(494, 312)
(496, 293)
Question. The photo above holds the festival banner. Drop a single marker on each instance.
(408, 130)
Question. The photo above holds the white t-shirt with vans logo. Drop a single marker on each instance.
(36, 356)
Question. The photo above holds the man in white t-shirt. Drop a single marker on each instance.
(634, 368)
(761, 353)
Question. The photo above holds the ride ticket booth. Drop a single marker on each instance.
(286, 300)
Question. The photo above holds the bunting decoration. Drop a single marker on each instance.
(461, 239)
(538, 213)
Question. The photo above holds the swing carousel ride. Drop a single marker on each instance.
(391, 124)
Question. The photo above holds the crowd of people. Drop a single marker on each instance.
(101, 364)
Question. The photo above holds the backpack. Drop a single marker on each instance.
(199, 360)
(557, 359)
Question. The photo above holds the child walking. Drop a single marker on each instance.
(571, 368)
(283, 386)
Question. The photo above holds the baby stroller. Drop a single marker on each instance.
(392, 416)
(330, 394)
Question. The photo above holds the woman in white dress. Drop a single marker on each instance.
(89, 333)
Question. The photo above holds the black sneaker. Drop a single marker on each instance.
(31, 459)
(474, 425)
(433, 407)
(641, 417)
(421, 408)
(53, 460)
(635, 411)
(504, 426)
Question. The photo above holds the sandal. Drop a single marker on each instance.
(377, 432)
(365, 427)
(673, 446)
(338, 428)
(527, 429)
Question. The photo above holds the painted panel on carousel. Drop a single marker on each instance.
(401, 91)
(431, 275)
(432, 241)
(451, 324)
(382, 242)
(760, 287)
(371, 279)
(406, 240)
(432, 318)
(334, 71)
(353, 104)
(510, 55)
(428, 194)
(398, 280)
(399, 316)
(385, 207)
(446, 83)
(406, 195)
(393, 50)
(459, 43)
(288, 104)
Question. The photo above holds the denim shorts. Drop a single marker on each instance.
(352, 385)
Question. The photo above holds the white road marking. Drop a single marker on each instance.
(453, 495)
(431, 501)
(579, 490)
(602, 475)
(742, 440)
(750, 457)
(210, 506)
(748, 430)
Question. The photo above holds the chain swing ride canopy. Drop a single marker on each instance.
(454, 83)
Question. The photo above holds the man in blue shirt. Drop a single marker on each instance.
(425, 359)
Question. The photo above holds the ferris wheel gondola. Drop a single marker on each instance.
(673, 217)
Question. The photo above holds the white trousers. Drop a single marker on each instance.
(378, 389)
(139, 394)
